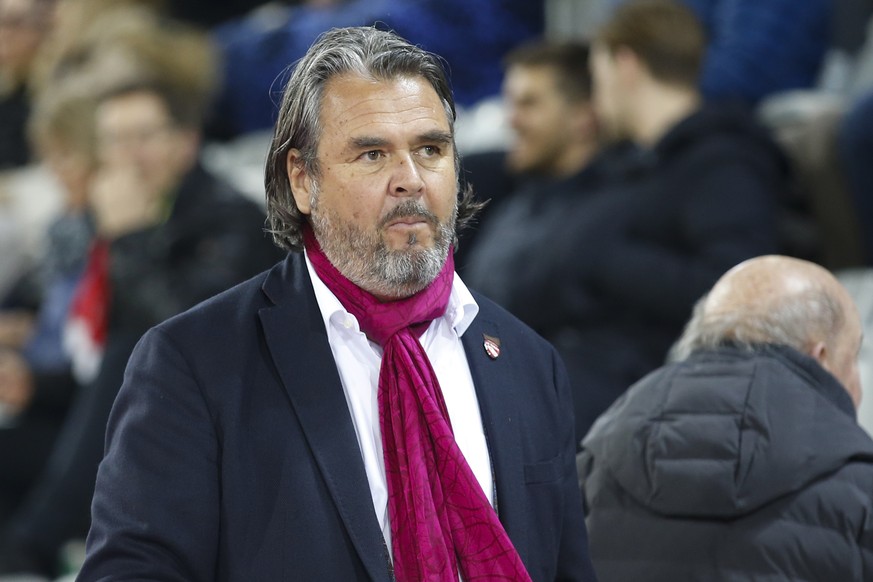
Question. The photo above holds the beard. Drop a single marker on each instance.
(363, 257)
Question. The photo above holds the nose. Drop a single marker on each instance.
(406, 179)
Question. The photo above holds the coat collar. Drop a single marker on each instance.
(297, 340)
(496, 389)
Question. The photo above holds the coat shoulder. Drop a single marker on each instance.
(492, 313)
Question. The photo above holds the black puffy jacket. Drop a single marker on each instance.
(733, 465)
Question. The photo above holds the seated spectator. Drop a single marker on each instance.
(698, 197)
(742, 460)
(62, 128)
(547, 90)
(170, 235)
(36, 386)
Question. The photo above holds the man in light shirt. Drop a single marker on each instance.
(355, 413)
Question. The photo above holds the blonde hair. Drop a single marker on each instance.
(130, 41)
(65, 116)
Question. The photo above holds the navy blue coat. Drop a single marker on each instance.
(231, 453)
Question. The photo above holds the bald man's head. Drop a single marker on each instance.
(781, 300)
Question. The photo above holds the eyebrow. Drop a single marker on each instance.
(436, 136)
(368, 142)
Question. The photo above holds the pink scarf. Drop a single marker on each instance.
(441, 520)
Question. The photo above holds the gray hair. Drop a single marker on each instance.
(363, 51)
(796, 320)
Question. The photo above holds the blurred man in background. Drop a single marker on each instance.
(511, 257)
(743, 460)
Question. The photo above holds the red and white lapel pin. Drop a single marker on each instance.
(491, 345)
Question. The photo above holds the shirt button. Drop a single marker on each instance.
(347, 322)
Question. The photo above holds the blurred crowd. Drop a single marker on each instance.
(626, 172)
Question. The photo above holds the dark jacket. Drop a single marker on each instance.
(608, 266)
(238, 406)
(732, 465)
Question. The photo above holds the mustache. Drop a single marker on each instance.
(409, 209)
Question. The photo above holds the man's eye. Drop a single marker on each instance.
(373, 155)
(430, 151)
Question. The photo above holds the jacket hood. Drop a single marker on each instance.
(727, 121)
(710, 131)
(725, 432)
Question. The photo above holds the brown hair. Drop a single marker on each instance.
(569, 59)
(664, 34)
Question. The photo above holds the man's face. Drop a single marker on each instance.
(384, 207)
(538, 113)
(135, 133)
(607, 91)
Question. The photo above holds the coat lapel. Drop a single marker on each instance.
(495, 388)
(295, 334)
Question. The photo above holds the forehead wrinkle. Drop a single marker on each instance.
(366, 136)
(351, 111)
(378, 106)
(390, 117)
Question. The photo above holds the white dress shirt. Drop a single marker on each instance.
(358, 361)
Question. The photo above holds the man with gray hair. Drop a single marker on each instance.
(327, 420)
(743, 459)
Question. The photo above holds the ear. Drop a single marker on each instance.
(819, 352)
(583, 121)
(299, 180)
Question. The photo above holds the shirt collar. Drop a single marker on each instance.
(461, 309)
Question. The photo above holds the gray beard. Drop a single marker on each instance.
(364, 259)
